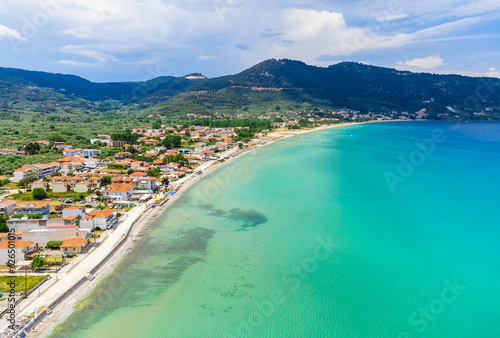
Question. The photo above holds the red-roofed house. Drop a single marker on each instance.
(74, 245)
(102, 219)
(16, 249)
(118, 191)
(7, 208)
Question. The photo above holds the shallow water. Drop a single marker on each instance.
(379, 230)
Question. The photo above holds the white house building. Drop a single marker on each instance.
(20, 248)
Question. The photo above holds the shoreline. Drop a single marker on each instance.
(60, 314)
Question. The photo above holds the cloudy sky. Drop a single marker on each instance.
(119, 40)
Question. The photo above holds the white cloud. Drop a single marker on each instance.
(90, 52)
(6, 32)
(430, 62)
(207, 57)
(75, 63)
(493, 72)
(81, 32)
(474, 7)
(234, 34)
(392, 17)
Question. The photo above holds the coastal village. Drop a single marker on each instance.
(77, 210)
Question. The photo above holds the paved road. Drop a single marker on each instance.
(73, 272)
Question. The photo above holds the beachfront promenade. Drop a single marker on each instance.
(73, 273)
(65, 280)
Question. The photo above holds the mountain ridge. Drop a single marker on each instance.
(347, 85)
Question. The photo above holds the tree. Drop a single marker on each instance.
(172, 141)
(165, 181)
(157, 124)
(130, 171)
(179, 158)
(105, 180)
(3, 224)
(39, 193)
(54, 244)
(32, 148)
(37, 262)
(126, 136)
(56, 137)
(154, 172)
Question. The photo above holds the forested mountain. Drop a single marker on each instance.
(286, 83)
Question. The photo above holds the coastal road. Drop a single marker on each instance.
(66, 279)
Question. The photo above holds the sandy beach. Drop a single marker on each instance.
(61, 312)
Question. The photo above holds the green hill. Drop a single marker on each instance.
(284, 83)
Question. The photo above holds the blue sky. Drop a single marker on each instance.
(134, 40)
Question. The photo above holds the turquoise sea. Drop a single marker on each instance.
(375, 230)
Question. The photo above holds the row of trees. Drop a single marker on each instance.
(126, 136)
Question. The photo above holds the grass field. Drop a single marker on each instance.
(54, 259)
(32, 282)
(53, 197)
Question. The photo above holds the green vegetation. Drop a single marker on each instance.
(3, 224)
(172, 141)
(53, 260)
(54, 244)
(126, 136)
(32, 281)
(78, 110)
(39, 193)
(156, 172)
(37, 262)
(34, 216)
(176, 159)
(106, 180)
(27, 196)
(9, 163)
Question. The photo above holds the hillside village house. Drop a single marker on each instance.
(117, 144)
(60, 186)
(73, 152)
(40, 184)
(7, 208)
(5, 151)
(122, 154)
(25, 223)
(148, 183)
(35, 171)
(54, 233)
(91, 152)
(83, 186)
(74, 245)
(33, 208)
(73, 211)
(102, 219)
(21, 248)
(118, 191)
